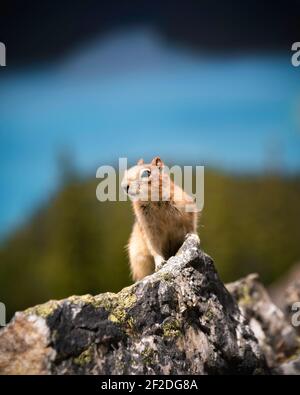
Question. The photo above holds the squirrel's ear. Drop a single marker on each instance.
(140, 162)
(157, 162)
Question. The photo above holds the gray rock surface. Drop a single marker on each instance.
(277, 337)
(292, 304)
(180, 320)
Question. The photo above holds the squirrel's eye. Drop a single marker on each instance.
(145, 173)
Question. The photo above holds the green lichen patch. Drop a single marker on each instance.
(104, 300)
(117, 305)
(209, 312)
(244, 297)
(84, 358)
(113, 303)
(119, 309)
(171, 328)
(208, 316)
(149, 356)
(117, 316)
(86, 299)
(43, 310)
(166, 276)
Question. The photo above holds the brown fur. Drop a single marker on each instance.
(161, 226)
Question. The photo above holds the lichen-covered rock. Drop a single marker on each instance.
(292, 305)
(180, 320)
(276, 336)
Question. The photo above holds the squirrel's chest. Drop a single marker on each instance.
(162, 219)
(165, 230)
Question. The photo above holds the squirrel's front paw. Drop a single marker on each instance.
(159, 262)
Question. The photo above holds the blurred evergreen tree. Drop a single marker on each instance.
(75, 244)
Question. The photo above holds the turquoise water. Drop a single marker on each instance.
(132, 95)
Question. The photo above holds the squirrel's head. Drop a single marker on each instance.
(143, 180)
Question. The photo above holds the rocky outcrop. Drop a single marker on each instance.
(292, 304)
(276, 336)
(180, 320)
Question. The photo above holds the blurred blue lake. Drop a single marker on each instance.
(133, 95)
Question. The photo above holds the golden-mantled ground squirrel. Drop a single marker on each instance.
(161, 217)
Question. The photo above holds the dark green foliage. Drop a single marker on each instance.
(76, 245)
